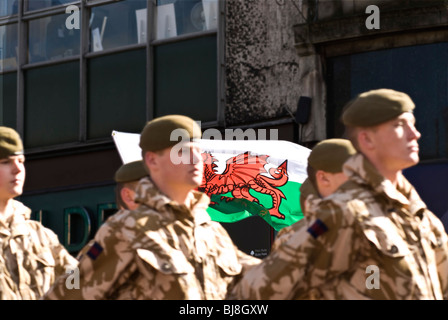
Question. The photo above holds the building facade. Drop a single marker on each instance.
(71, 72)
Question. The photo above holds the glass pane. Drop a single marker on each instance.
(117, 93)
(176, 17)
(8, 98)
(186, 78)
(8, 47)
(52, 105)
(8, 7)
(50, 39)
(118, 24)
(42, 4)
(420, 71)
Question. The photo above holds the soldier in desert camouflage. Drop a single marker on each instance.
(127, 178)
(324, 170)
(167, 248)
(31, 256)
(325, 176)
(373, 238)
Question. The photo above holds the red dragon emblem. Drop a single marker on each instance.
(243, 173)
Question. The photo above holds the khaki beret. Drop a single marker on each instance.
(329, 155)
(132, 171)
(156, 135)
(375, 107)
(10, 143)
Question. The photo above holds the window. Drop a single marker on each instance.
(186, 68)
(49, 39)
(8, 94)
(174, 18)
(116, 95)
(51, 105)
(8, 7)
(8, 48)
(118, 24)
(420, 71)
(64, 86)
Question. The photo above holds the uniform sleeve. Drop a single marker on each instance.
(63, 260)
(439, 243)
(103, 265)
(310, 256)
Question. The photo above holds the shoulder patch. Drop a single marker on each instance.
(95, 250)
(317, 228)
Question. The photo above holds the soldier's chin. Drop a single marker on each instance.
(415, 157)
(413, 160)
(197, 181)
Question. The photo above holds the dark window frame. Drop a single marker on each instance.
(23, 17)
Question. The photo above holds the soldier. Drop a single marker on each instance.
(324, 169)
(127, 177)
(373, 238)
(167, 248)
(31, 255)
(325, 176)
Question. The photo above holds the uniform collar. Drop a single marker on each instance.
(15, 225)
(360, 170)
(149, 195)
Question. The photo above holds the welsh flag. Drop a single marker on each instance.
(244, 178)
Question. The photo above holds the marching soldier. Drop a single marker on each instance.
(373, 238)
(31, 255)
(126, 178)
(167, 248)
(325, 176)
(325, 173)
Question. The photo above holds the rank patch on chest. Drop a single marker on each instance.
(94, 251)
(317, 228)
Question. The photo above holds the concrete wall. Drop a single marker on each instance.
(263, 70)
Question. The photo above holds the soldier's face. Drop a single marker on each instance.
(12, 176)
(395, 142)
(182, 165)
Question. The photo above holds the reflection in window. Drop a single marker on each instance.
(118, 24)
(49, 39)
(8, 7)
(177, 17)
(42, 4)
(8, 47)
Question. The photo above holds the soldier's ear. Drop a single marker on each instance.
(150, 159)
(365, 140)
(126, 194)
(322, 178)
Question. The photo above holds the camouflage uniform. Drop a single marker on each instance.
(308, 194)
(367, 222)
(162, 250)
(31, 256)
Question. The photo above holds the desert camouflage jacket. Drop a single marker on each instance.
(308, 194)
(31, 257)
(162, 250)
(369, 240)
